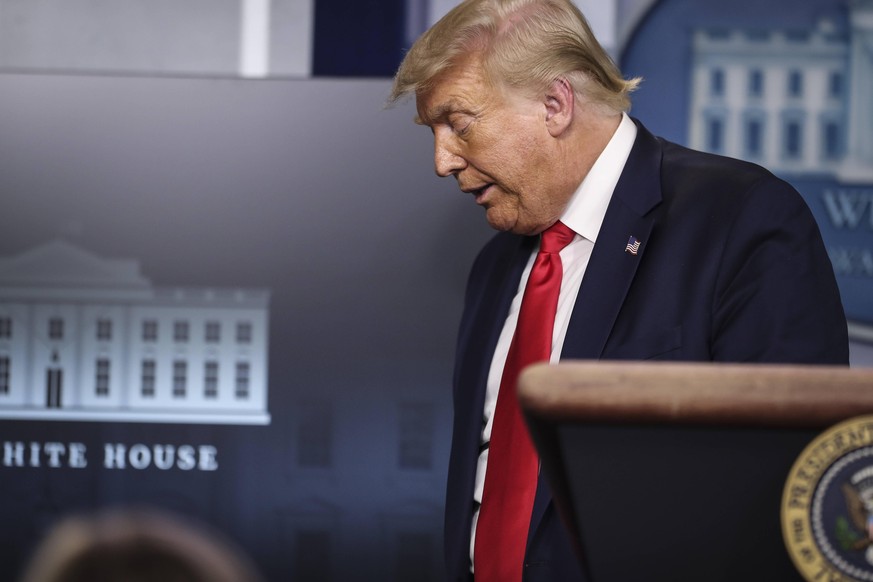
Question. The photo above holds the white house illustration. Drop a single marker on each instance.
(87, 338)
(796, 101)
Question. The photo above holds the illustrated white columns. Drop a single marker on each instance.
(859, 159)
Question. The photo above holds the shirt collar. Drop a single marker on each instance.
(587, 207)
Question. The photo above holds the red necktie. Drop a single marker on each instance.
(511, 476)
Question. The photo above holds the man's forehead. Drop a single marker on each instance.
(462, 88)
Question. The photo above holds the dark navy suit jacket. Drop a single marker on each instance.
(731, 268)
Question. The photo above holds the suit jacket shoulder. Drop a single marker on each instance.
(731, 267)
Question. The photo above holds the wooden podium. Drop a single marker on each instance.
(675, 472)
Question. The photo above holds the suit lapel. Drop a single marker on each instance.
(479, 337)
(611, 268)
(490, 298)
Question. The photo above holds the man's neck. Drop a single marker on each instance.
(589, 136)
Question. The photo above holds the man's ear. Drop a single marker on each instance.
(559, 101)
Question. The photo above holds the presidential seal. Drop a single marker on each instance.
(827, 505)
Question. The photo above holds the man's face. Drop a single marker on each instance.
(496, 144)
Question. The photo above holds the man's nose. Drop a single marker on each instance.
(447, 158)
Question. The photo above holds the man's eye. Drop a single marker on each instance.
(461, 127)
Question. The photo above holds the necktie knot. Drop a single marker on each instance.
(556, 237)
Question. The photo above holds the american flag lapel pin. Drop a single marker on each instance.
(633, 245)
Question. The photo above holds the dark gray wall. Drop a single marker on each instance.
(308, 188)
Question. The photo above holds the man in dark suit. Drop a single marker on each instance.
(673, 254)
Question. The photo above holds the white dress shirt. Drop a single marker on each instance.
(584, 215)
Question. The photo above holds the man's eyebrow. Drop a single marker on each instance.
(439, 112)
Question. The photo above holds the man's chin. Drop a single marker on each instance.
(513, 222)
(499, 222)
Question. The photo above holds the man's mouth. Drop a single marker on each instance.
(480, 193)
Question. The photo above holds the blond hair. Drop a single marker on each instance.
(525, 44)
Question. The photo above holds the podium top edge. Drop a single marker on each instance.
(764, 395)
